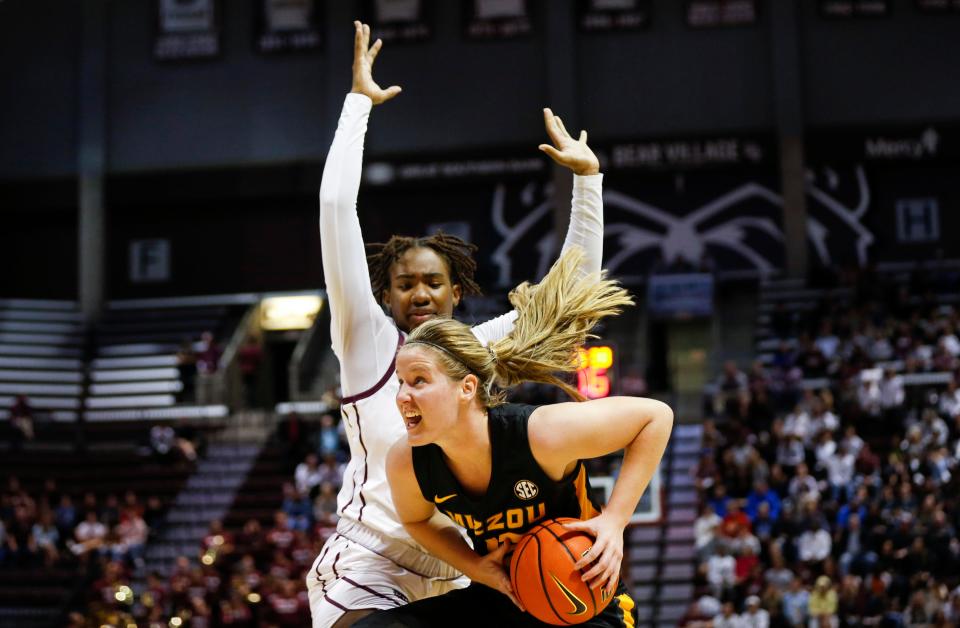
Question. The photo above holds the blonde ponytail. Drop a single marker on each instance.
(554, 319)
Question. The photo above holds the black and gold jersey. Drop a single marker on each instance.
(519, 493)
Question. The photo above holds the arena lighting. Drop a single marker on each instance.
(593, 381)
(253, 598)
(283, 313)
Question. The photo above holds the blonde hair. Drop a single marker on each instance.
(554, 319)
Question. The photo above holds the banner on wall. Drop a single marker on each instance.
(880, 194)
(187, 29)
(400, 20)
(613, 15)
(706, 200)
(288, 25)
(496, 19)
(720, 13)
(846, 9)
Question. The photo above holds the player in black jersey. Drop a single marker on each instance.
(497, 469)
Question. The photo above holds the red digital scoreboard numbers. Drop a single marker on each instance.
(593, 376)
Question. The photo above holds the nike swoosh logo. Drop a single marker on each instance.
(579, 608)
(439, 500)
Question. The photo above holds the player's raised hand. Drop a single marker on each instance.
(604, 558)
(363, 57)
(566, 151)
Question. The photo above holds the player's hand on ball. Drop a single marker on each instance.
(606, 554)
(492, 572)
(566, 151)
(363, 57)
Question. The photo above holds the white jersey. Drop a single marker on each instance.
(365, 338)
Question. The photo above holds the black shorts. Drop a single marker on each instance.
(482, 607)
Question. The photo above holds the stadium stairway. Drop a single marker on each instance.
(660, 557)
(134, 372)
(41, 356)
(210, 490)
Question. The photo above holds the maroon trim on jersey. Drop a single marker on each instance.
(334, 566)
(323, 585)
(363, 502)
(335, 603)
(340, 511)
(383, 380)
(377, 593)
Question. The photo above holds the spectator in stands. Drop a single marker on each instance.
(727, 617)
(249, 358)
(89, 534)
(332, 471)
(796, 602)
(762, 493)
(705, 530)
(289, 606)
(840, 467)
(187, 368)
(949, 402)
(803, 486)
(21, 420)
(814, 545)
(733, 390)
(721, 569)
(132, 532)
(822, 606)
(307, 475)
(208, 363)
(280, 535)
(65, 516)
(325, 506)
(47, 538)
(328, 436)
(753, 615)
(298, 508)
(235, 612)
(163, 440)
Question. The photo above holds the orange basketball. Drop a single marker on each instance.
(544, 579)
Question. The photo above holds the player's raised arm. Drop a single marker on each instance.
(586, 210)
(563, 433)
(362, 335)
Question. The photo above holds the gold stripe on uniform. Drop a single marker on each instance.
(587, 509)
(626, 604)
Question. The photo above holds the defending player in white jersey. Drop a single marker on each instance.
(371, 562)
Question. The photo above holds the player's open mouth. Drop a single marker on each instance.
(411, 419)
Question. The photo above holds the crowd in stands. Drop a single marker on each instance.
(252, 576)
(835, 502)
(54, 528)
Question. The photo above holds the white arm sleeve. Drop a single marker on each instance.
(585, 231)
(364, 338)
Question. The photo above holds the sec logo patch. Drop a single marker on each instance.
(525, 489)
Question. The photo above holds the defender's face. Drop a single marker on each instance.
(420, 288)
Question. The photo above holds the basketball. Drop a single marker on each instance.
(544, 578)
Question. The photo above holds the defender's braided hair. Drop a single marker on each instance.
(457, 253)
